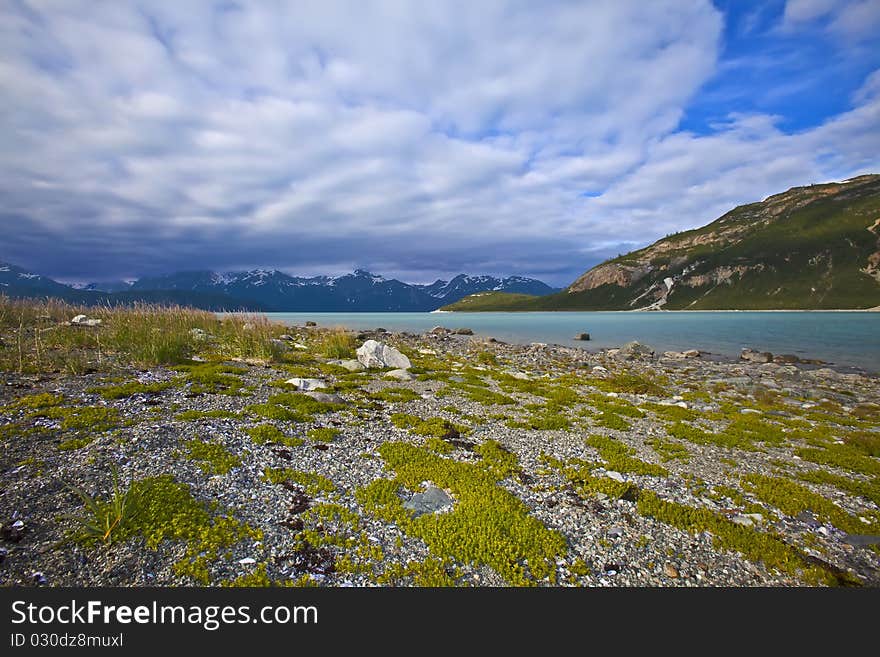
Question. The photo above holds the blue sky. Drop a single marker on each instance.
(417, 140)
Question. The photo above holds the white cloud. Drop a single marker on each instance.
(405, 136)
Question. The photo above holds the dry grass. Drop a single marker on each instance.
(36, 337)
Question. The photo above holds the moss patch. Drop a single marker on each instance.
(211, 457)
(323, 434)
(312, 482)
(487, 525)
(754, 544)
(269, 433)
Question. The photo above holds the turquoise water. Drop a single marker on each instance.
(842, 338)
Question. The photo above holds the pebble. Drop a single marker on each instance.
(670, 571)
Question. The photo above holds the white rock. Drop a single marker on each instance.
(522, 376)
(599, 369)
(82, 320)
(351, 364)
(427, 352)
(400, 375)
(307, 384)
(745, 521)
(616, 476)
(378, 354)
(299, 345)
(247, 561)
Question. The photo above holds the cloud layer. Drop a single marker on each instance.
(414, 139)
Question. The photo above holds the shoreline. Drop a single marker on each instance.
(596, 456)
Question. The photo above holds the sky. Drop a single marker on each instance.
(413, 139)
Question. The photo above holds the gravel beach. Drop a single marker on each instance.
(481, 464)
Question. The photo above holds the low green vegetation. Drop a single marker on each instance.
(212, 378)
(159, 509)
(434, 426)
(211, 457)
(619, 457)
(269, 433)
(792, 499)
(870, 490)
(313, 483)
(755, 545)
(669, 450)
(323, 434)
(487, 525)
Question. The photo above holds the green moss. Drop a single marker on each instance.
(211, 457)
(479, 394)
(130, 389)
(669, 450)
(867, 442)
(618, 457)
(259, 578)
(395, 395)
(434, 426)
(613, 421)
(497, 460)
(163, 509)
(438, 445)
(313, 483)
(635, 384)
(792, 499)
(699, 436)
(841, 456)
(269, 433)
(191, 415)
(276, 412)
(673, 413)
(546, 419)
(35, 402)
(431, 572)
(303, 404)
(487, 525)
(212, 378)
(754, 544)
(868, 489)
(323, 434)
(579, 473)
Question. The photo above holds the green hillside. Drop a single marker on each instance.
(815, 247)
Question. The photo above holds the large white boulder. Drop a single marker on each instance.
(379, 354)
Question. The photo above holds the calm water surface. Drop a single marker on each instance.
(842, 338)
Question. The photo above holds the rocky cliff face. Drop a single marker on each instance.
(809, 247)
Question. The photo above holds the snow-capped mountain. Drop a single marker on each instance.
(273, 290)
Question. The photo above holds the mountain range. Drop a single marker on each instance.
(812, 247)
(269, 290)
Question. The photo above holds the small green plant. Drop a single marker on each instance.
(269, 433)
(323, 434)
(211, 457)
(102, 517)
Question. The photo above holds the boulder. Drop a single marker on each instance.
(680, 355)
(433, 500)
(281, 345)
(439, 330)
(752, 356)
(311, 323)
(463, 331)
(82, 320)
(350, 364)
(307, 384)
(400, 375)
(582, 336)
(634, 349)
(379, 354)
